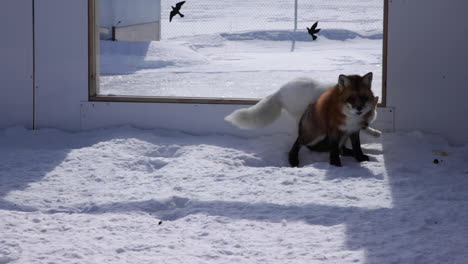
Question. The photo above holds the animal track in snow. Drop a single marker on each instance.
(165, 151)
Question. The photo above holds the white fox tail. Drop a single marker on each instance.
(259, 115)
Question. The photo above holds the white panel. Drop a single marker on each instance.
(125, 12)
(106, 13)
(200, 119)
(16, 63)
(428, 66)
(136, 12)
(141, 32)
(385, 119)
(61, 61)
(190, 118)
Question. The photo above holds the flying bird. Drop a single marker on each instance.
(313, 30)
(175, 10)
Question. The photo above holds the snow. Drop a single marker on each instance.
(246, 49)
(126, 195)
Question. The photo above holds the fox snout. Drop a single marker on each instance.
(359, 110)
(356, 107)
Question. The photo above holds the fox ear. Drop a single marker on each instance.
(343, 82)
(367, 79)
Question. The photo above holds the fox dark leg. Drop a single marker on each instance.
(335, 151)
(347, 152)
(356, 143)
(294, 154)
(321, 146)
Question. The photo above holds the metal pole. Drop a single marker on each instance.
(295, 15)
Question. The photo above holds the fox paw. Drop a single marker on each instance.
(362, 158)
(336, 162)
(294, 162)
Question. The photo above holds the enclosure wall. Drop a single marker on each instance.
(428, 66)
(61, 62)
(427, 63)
(16, 63)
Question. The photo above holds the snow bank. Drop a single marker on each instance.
(121, 58)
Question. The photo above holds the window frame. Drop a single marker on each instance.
(93, 76)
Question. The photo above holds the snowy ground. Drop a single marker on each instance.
(246, 49)
(125, 195)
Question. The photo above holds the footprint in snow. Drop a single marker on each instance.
(170, 151)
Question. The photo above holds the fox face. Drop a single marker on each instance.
(356, 94)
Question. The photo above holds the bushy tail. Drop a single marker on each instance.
(262, 114)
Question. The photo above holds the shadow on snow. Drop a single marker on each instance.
(287, 35)
(411, 231)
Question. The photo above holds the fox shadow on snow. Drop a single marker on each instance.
(410, 231)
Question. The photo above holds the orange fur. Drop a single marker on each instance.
(333, 117)
(322, 117)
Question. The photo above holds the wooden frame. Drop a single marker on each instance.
(384, 55)
(34, 119)
(93, 50)
(174, 99)
(93, 33)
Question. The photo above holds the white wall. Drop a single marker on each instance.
(428, 66)
(61, 62)
(192, 118)
(16, 63)
(427, 63)
(129, 12)
(106, 13)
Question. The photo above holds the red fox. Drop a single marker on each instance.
(337, 114)
(293, 97)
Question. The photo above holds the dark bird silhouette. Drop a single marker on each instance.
(175, 10)
(313, 30)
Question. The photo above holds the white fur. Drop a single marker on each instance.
(373, 132)
(293, 97)
(353, 121)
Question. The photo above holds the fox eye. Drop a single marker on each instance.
(351, 99)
